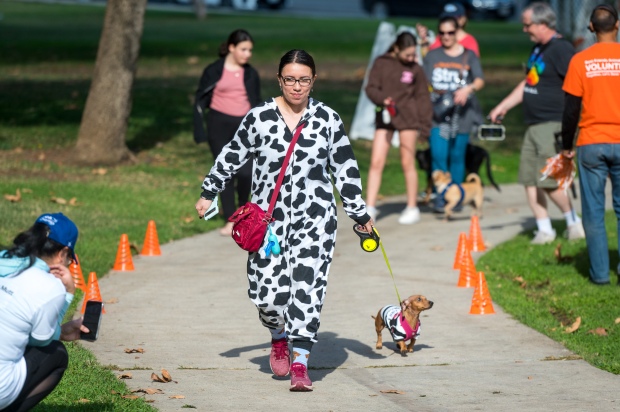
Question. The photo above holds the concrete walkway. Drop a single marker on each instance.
(189, 311)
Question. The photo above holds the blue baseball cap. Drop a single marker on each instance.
(452, 10)
(62, 229)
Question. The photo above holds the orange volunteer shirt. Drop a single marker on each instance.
(594, 75)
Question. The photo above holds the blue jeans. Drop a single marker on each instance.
(449, 154)
(596, 162)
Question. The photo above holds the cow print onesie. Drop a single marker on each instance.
(289, 289)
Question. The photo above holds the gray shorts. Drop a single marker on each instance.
(538, 146)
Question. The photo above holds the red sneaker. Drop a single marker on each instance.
(280, 357)
(300, 382)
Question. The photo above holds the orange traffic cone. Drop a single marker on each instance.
(76, 272)
(123, 262)
(151, 241)
(481, 303)
(461, 249)
(468, 271)
(92, 291)
(476, 243)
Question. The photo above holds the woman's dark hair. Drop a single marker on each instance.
(234, 39)
(449, 19)
(403, 41)
(299, 57)
(34, 243)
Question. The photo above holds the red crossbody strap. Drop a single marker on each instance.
(276, 191)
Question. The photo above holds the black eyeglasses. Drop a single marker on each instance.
(447, 33)
(290, 81)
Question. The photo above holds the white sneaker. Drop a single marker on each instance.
(372, 212)
(543, 238)
(576, 231)
(409, 216)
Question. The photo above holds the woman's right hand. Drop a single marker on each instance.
(63, 273)
(202, 205)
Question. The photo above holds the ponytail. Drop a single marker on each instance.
(34, 243)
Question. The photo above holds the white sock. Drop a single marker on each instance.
(544, 225)
(277, 333)
(300, 356)
(571, 218)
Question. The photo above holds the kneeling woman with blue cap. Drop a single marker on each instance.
(36, 289)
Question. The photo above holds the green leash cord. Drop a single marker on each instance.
(387, 262)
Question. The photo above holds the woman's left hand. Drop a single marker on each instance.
(63, 273)
(461, 95)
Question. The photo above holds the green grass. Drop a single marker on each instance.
(549, 295)
(48, 52)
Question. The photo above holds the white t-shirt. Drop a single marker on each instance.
(30, 305)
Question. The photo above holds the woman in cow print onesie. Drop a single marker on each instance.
(288, 289)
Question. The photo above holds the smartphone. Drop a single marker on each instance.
(92, 320)
(491, 132)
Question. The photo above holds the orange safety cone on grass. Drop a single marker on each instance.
(76, 273)
(476, 243)
(461, 248)
(481, 303)
(468, 271)
(123, 262)
(92, 291)
(151, 241)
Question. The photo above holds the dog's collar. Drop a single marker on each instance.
(443, 192)
(410, 333)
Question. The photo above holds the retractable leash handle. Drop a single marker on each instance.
(369, 242)
(212, 210)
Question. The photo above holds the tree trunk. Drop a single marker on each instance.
(101, 139)
(200, 8)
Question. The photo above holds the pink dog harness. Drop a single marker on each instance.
(397, 324)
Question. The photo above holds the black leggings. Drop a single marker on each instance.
(45, 366)
(221, 129)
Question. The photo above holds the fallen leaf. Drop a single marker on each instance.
(530, 378)
(192, 60)
(166, 375)
(598, 331)
(14, 198)
(139, 350)
(558, 255)
(41, 156)
(149, 400)
(84, 400)
(177, 397)
(574, 326)
(58, 200)
(148, 391)
(113, 392)
(188, 219)
(26, 190)
(185, 184)
(110, 301)
(393, 391)
(130, 397)
(437, 248)
(519, 279)
(125, 376)
(73, 201)
(156, 378)
(100, 171)
(617, 321)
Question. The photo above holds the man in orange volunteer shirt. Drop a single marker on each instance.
(591, 85)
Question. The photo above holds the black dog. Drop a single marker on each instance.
(474, 157)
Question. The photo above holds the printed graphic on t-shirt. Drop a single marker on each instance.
(535, 67)
(602, 67)
(448, 76)
(406, 77)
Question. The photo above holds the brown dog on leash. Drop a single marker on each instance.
(403, 322)
(468, 192)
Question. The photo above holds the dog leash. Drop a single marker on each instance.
(368, 242)
(387, 262)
